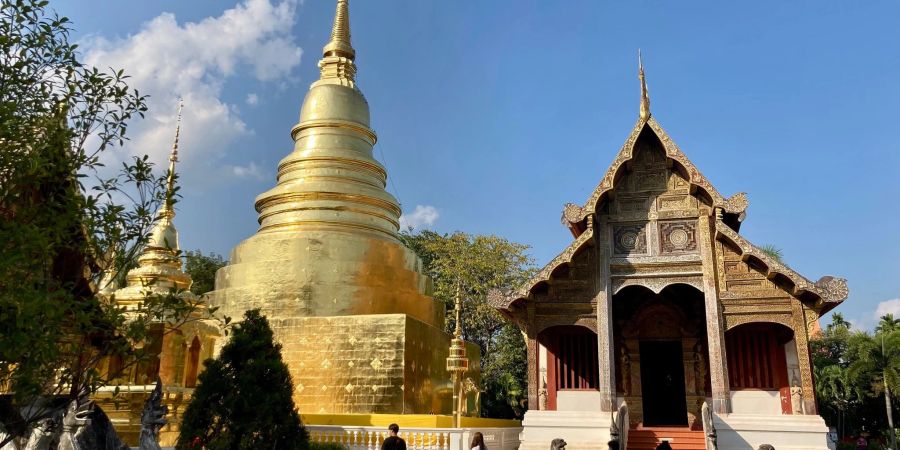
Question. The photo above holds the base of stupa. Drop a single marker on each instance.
(784, 432)
(420, 431)
(405, 420)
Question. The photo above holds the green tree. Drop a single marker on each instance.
(65, 221)
(878, 365)
(887, 324)
(479, 264)
(244, 397)
(202, 269)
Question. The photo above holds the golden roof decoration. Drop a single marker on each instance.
(830, 290)
(736, 204)
(645, 95)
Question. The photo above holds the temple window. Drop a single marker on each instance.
(756, 356)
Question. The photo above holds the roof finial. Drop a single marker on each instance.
(645, 95)
(339, 45)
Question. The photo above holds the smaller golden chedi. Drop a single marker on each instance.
(175, 354)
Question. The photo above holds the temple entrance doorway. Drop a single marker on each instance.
(662, 361)
(662, 378)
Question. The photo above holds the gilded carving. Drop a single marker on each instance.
(677, 237)
(695, 178)
(572, 213)
(657, 284)
(829, 289)
(733, 320)
(630, 239)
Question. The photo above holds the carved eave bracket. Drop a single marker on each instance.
(574, 217)
(828, 291)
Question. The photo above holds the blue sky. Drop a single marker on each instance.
(497, 113)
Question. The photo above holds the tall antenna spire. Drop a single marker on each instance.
(645, 95)
(339, 45)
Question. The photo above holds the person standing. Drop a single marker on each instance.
(393, 442)
(478, 441)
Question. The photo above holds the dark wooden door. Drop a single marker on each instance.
(662, 383)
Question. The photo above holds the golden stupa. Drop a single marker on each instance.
(345, 297)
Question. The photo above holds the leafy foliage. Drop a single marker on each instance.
(479, 264)
(856, 375)
(773, 252)
(202, 269)
(65, 219)
(244, 399)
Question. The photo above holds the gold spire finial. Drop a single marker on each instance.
(339, 45)
(336, 65)
(458, 331)
(173, 158)
(645, 95)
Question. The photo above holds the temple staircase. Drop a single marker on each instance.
(680, 438)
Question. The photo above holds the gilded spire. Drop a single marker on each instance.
(159, 264)
(164, 234)
(173, 158)
(336, 65)
(645, 95)
(457, 333)
(339, 45)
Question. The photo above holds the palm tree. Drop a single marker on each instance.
(887, 324)
(879, 361)
(835, 386)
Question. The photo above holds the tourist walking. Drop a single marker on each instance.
(478, 441)
(393, 442)
(664, 446)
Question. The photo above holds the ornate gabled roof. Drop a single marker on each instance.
(574, 217)
(829, 291)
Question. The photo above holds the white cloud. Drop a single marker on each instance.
(249, 171)
(869, 322)
(888, 307)
(422, 216)
(167, 60)
(252, 99)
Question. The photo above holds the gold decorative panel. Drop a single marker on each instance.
(677, 237)
(630, 239)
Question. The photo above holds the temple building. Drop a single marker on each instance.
(658, 306)
(177, 350)
(345, 297)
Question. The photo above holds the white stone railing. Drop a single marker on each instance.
(370, 438)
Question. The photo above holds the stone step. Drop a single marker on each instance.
(647, 438)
